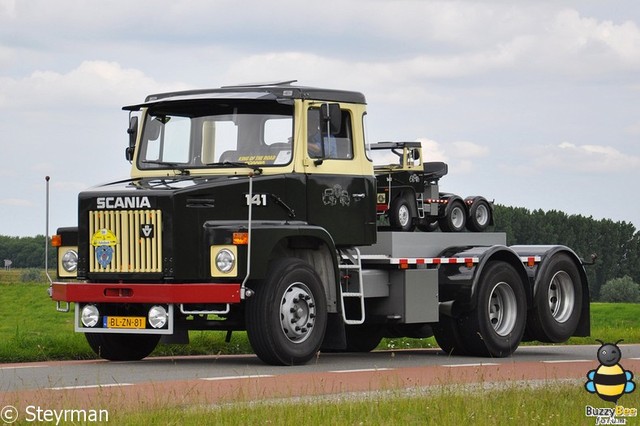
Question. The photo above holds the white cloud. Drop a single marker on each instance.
(432, 151)
(8, 8)
(466, 149)
(16, 202)
(570, 157)
(92, 83)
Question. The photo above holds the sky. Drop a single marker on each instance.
(532, 104)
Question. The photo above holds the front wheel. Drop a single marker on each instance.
(496, 326)
(287, 317)
(122, 347)
(400, 215)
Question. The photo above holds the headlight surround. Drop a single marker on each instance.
(69, 261)
(90, 315)
(158, 316)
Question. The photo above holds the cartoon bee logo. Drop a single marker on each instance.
(610, 381)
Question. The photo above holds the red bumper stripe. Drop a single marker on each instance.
(146, 293)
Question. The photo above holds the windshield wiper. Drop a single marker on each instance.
(253, 167)
(180, 168)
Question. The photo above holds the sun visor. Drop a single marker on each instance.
(154, 100)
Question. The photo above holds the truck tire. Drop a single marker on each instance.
(496, 326)
(401, 215)
(455, 217)
(363, 338)
(447, 334)
(428, 226)
(287, 316)
(557, 301)
(479, 216)
(122, 347)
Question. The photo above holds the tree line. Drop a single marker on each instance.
(616, 244)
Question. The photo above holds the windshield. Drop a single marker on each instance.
(198, 134)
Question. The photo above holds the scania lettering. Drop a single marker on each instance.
(259, 208)
(103, 203)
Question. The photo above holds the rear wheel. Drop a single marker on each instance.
(448, 336)
(558, 301)
(455, 217)
(479, 216)
(496, 326)
(122, 347)
(287, 316)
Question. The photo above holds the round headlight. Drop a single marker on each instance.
(90, 315)
(70, 261)
(158, 316)
(225, 261)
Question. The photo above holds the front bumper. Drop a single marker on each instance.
(173, 293)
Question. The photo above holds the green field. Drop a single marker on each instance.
(32, 330)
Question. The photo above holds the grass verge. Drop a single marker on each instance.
(516, 403)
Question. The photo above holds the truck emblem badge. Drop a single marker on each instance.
(334, 195)
(146, 230)
(104, 240)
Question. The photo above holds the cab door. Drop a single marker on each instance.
(341, 194)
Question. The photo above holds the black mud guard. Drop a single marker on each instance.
(267, 235)
(458, 284)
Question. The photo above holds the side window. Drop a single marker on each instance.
(323, 144)
(367, 143)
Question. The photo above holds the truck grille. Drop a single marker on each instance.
(137, 246)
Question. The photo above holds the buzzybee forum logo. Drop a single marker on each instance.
(610, 381)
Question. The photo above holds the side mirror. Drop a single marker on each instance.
(133, 134)
(331, 114)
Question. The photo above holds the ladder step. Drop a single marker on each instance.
(352, 256)
(349, 267)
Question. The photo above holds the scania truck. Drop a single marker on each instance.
(257, 208)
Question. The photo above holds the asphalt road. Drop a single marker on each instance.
(69, 375)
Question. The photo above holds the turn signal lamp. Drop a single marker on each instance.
(56, 240)
(240, 238)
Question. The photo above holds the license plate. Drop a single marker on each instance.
(124, 322)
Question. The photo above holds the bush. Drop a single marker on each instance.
(32, 275)
(620, 290)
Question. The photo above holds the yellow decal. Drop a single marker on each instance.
(104, 237)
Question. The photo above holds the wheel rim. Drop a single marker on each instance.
(403, 215)
(457, 217)
(561, 296)
(482, 215)
(297, 312)
(503, 309)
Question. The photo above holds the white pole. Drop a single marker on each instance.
(46, 235)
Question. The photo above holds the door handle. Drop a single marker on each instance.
(358, 196)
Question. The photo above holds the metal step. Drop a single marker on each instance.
(355, 264)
